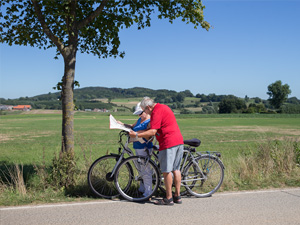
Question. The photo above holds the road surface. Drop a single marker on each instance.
(272, 207)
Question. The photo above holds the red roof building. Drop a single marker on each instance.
(22, 107)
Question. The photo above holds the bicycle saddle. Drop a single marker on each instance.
(192, 142)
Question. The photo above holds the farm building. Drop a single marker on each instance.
(22, 107)
(6, 107)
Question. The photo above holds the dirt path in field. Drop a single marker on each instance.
(263, 130)
(43, 111)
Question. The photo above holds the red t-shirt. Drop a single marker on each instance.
(168, 133)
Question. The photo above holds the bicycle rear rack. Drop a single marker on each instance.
(218, 154)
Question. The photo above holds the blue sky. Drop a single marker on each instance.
(251, 45)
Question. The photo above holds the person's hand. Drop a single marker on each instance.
(132, 134)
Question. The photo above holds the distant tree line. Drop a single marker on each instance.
(56, 104)
(88, 98)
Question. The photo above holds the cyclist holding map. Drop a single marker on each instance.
(142, 124)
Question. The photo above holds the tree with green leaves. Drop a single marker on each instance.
(88, 27)
(278, 93)
(231, 104)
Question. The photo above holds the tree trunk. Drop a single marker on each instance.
(67, 101)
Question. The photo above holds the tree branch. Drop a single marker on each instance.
(73, 4)
(46, 29)
(93, 15)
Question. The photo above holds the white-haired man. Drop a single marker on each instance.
(164, 125)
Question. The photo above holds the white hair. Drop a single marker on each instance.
(147, 102)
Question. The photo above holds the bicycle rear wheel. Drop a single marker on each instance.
(100, 177)
(144, 179)
(205, 177)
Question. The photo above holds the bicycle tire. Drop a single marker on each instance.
(203, 177)
(142, 168)
(99, 177)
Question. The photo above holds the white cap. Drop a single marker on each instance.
(138, 109)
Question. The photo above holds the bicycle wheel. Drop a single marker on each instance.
(205, 177)
(99, 177)
(144, 178)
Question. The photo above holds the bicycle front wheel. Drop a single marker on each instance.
(204, 176)
(144, 178)
(100, 178)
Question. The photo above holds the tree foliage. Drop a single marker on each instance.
(88, 26)
(255, 108)
(212, 97)
(278, 93)
(92, 25)
(290, 109)
(232, 105)
(293, 100)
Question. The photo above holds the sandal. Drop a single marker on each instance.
(177, 199)
(164, 201)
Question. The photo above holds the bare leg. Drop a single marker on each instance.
(168, 179)
(177, 182)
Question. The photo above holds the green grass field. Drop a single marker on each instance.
(34, 138)
(26, 137)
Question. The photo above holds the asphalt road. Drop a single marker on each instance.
(272, 207)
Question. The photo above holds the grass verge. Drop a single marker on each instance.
(269, 164)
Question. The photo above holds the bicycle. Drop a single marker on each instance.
(202, 174)
(103, 182)
(102, 171)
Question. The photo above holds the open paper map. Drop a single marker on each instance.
(113, 124)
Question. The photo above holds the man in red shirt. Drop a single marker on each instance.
(163, 124)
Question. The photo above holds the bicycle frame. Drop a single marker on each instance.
(189, 157)
(122, 150)
(193, 159)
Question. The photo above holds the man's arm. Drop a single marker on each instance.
(143, 134)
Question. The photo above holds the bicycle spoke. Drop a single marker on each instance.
(98, 177)
(143, 178)
(204, 178)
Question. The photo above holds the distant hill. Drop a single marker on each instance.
(90, 93)
(88, 98)
(120, 99)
